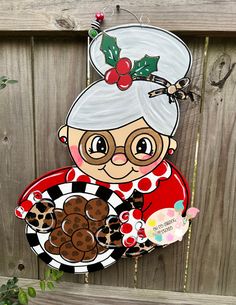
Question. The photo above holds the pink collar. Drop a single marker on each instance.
(146, 184)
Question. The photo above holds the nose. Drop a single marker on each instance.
(119, 159)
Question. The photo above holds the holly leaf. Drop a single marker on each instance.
(110, 49)
(145, 66)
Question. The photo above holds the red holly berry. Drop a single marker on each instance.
(124, 82)
(123, 66)
(111, 76)
(99, 16)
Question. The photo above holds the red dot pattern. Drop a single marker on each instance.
(121, 195)
(37, 195)
(144, 184)
(160, 169)
(71, 175)
(124, 216)
(103, 184)
(83, 178)
(18, 213)
(26, 205)
(129, 242)
(126, 228)
(137, 214)
(125, 187)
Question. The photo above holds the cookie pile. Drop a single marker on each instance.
(73, 236)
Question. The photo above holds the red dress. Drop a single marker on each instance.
(168, 189)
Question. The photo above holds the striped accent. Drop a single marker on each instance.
(33, 239)
(102, 192)
(95, 24)
(54, 193)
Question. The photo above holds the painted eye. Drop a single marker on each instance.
(144, 146)
(98, 145)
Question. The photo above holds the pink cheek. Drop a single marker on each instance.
(76, 155)
(147, 169)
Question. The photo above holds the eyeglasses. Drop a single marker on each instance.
(142, 147)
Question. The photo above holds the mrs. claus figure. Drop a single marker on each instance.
(120, 129)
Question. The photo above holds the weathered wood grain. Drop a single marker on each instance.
(17, 166)
(183, 16)
(212, 267)
(164, 268)
(70, 293)
(59, 76)
(122, 273)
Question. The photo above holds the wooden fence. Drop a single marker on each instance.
(51, 67)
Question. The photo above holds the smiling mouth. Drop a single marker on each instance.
(132, 170)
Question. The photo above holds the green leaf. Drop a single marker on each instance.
(59, 274)
(54, 274)
(3, 78)
(42, 285)
(2, 86)
(12, 81)
(47, 273)
(145, 66)
(3, 288)
(15, 280)
(22, 297)
(50, 285)
(110, 49)
(31, 292)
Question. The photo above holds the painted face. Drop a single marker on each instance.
(119, 155)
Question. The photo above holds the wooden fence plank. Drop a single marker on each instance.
(74, 293)
(212, 267)
(17, 165)
(59, 76)
(121, 274)
(183, 16)
(164, 268)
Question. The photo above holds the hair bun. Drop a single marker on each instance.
(136, 41)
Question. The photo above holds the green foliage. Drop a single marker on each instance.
(9, 292)
(31, 292)
(110, 49)
(42, 285)
(144, 66)
(50, 285)
(22, 297)
(53, 275)
(12, 294)
(4, 80)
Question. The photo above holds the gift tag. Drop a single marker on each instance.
(167, 226)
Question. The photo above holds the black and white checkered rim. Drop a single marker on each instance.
(71, 188)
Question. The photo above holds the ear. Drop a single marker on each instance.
(173, 144)
(62, 132)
